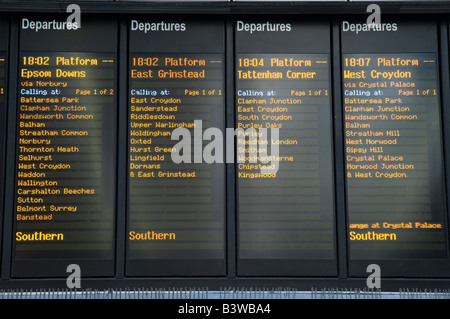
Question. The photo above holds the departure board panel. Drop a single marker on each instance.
(176, 210)
(65, 149)
(393, 149)
(285, 214)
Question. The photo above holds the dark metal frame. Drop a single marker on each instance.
(123, 9)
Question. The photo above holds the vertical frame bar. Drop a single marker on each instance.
(341, 233)
(445, 102)
(3, 125)
(122, 133)
(10, 148)
(231, 167)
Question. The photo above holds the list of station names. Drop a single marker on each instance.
(176, 210)
(283, 214)
(169, 92)
(61, 209)
(392, 147)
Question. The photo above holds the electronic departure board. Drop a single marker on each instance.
(176, 210)
(232, 147)
(393, 148)
(4, 34)
(65, 157)
(286, 222)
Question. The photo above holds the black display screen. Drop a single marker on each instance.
(286, 221)
(393, 149)
(176, 211)
(223, 148)
(65, 149)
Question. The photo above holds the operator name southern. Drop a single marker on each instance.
(39, 236)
